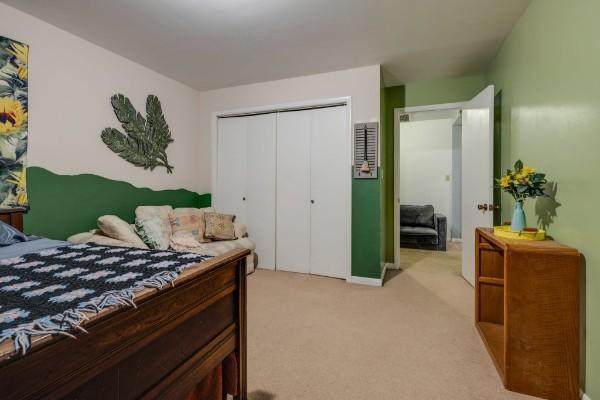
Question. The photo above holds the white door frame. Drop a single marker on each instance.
(397, 113)
(292, 105)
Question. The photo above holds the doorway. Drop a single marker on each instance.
(444, 163)
(429, 185)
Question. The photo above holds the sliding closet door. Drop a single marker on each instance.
(293, 191)
(231, 167)
(260, 186)
(329, 175)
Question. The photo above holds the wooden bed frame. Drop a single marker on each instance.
(162, 349)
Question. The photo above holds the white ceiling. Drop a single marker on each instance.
(210, 44)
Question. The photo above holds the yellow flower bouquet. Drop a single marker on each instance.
(521, 183)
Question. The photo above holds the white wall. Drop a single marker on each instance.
(426, 165)
(70, 85)
(71, 82)
(363, 84)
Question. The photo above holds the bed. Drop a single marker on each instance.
(172, 339)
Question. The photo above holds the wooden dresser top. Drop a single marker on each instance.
(530, 245)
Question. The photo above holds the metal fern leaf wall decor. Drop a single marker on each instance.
(146, 140)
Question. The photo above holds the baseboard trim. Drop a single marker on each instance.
(359, 280)
(390, 266)
(383, 272)
(583, 395)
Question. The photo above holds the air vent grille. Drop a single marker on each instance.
(365, 150)
(405, 117)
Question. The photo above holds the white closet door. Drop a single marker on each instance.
(293, 191)
(231, 167)
(260, 186)
(329, 190)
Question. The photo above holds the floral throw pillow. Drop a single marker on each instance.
(150, 230)
(219, 226)
(190, 220)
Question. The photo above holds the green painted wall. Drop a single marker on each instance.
(62, 205)
(438, 91)
(366, 228)
(548, 71)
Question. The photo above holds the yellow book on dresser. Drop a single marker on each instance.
(504, 231)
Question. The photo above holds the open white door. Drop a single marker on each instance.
(477, 173)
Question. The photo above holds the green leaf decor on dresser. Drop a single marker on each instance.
(146, 139)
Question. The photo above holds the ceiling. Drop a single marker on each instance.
(210, 44)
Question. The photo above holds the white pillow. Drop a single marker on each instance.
(114, 227)
(97, 237)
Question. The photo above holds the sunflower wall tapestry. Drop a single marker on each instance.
(13, 123)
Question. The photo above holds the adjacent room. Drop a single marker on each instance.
(429, 178)
(299, 199)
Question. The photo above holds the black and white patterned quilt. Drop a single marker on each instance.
(50, 291)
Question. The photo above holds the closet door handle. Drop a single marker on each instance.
(243, 199)
(312, 202)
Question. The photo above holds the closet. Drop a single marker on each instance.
(246, 178)
(286, 175)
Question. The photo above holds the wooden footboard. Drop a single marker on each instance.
(162, 349)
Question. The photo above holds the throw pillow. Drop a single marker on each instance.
(219, 226)
(240, 230)
(10, 235)
(96, 237)
(143, 212)
(151, 232)
(190, 220)
(114, 227)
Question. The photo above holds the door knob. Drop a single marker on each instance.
(312, 202)
(483, 207)
(243, 199)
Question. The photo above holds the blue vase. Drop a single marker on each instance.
(518, 220)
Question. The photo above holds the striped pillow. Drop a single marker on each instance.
(150, 230)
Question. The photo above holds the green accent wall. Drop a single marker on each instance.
(366, 228)
(62, 205)
(548, 71)
(439, 91)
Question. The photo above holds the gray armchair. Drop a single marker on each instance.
(422, 228)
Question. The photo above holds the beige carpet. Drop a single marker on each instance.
(317, 338)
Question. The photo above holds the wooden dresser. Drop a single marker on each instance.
(13, 217)
(527, 313)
